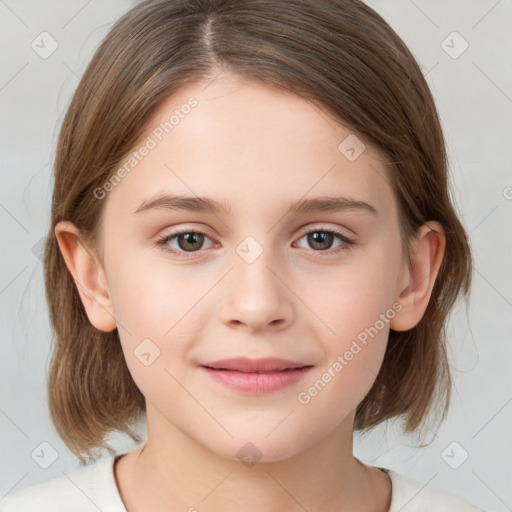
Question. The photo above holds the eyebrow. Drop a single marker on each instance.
(208, 205)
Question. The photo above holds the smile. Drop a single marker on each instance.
(257, 381)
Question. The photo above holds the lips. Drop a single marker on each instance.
(248, 365)
(255, 376)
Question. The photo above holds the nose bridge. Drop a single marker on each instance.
(252, 266)
(256, 296)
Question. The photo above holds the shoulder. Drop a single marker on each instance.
(409, 495)
(90, 488)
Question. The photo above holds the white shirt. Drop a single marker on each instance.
(93, 488)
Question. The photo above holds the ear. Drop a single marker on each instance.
(88, 274)
(417, 278)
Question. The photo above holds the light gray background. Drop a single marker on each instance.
(474, 97)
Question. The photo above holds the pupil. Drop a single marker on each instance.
(191, 238)
(319, 237)
(315, 239)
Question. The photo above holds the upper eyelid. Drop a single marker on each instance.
(322, 227)
(347, 240)
(302, 231)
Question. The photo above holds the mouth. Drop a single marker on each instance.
(256, 376)
(248, 365)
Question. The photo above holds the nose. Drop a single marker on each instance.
(255, 297)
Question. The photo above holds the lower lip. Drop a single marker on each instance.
(257, 383)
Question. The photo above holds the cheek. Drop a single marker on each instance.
(149, 299)
(355, 305)
(357, 310)
(353, 296)
(337, 388)
(152, 310)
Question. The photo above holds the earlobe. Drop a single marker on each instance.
(418, 277)
(88, 274)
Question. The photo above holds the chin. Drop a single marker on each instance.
(255, 448)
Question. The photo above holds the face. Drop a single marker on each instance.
(257, 279)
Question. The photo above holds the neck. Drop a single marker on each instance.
(172, 470)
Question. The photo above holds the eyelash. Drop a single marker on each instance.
(347, 242)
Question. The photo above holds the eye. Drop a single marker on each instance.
(186, 241)
(190, 241)
(320, 240)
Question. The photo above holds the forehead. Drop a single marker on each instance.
(249, 143)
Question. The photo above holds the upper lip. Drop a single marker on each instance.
(248, 365)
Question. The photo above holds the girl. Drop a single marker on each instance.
(253, 246)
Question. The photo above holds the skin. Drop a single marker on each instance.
(258, 147)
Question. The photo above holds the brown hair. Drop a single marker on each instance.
(340, 55)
